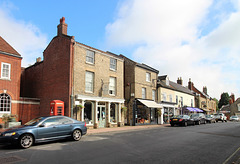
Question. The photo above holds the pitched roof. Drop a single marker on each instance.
(180, 88)
(7, 48)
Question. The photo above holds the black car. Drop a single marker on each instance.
(181, 120)
(210, 119)
(199, 118)
(44, 129)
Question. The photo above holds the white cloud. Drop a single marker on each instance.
(24, 37)
(167, 35)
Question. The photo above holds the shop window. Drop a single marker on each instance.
(88, 113)
(113, 113)
(5, 103)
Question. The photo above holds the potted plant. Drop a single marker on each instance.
(6, 118)
(159, 112)
(124, 110)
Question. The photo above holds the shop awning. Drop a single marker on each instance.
(191, 109)
(150, 104)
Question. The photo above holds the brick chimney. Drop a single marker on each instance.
(205, 90)
(62, 27)
(190, 84)
(179, 81)
(39, 59)
(232, 97)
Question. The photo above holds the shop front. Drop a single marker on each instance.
(99, 112)
(169, 111)
(146, 112)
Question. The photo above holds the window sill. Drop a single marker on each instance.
(114, 70)
(5, 79)
(90, 63)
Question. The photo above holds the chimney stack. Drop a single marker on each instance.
(39, 59)
(232, 97)
(62, 27)
(205, 90)
(190, 85)
(179, 81)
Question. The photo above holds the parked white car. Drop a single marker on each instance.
(234, 118)
(220, 117)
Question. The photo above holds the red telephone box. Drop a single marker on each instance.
(57, 107)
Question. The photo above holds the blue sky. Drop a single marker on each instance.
(190, 39)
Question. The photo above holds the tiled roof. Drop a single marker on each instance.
(5, 47)
(180, 88)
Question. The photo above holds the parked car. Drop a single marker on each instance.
(181, 120)
(220, 117)
(234, 118)
(210, 119)
(199, 118)
(44, 129)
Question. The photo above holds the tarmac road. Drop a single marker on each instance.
(210, 143)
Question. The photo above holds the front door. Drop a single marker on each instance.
(102, 116)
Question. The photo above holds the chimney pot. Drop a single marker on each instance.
(62, 27)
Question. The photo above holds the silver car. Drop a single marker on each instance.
(234, 118)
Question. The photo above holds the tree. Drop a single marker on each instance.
(224, 100)
(216, 100)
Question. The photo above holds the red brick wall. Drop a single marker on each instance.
(12, 86)
(28, 109)
(51, 79)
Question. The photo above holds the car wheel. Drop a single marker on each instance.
(26, 141)
(76, 135)
(199, 122)
(222, 120)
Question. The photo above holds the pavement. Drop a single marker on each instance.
(124, 128)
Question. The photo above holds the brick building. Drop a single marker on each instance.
(80, 76)
(202, 99)
(10, 75)
(140, 81)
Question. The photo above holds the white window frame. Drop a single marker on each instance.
(5, 103)
(148, 77)
(144, 91)
(164, 97)
(153, 95)
(89, 82)
(170, 98)
(3, 76)
(90, 57)
(112, 86)
(113, 64)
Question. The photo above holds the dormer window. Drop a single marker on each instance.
(167, 81)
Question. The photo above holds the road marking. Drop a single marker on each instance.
(231, 156)
(14, 151)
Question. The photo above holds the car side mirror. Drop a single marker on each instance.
(42, 125)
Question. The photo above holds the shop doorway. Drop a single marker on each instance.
(101, 116)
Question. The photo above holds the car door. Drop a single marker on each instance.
(65, 126)
(48, 129)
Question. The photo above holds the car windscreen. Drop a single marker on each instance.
(34, 121)
(178, 116)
